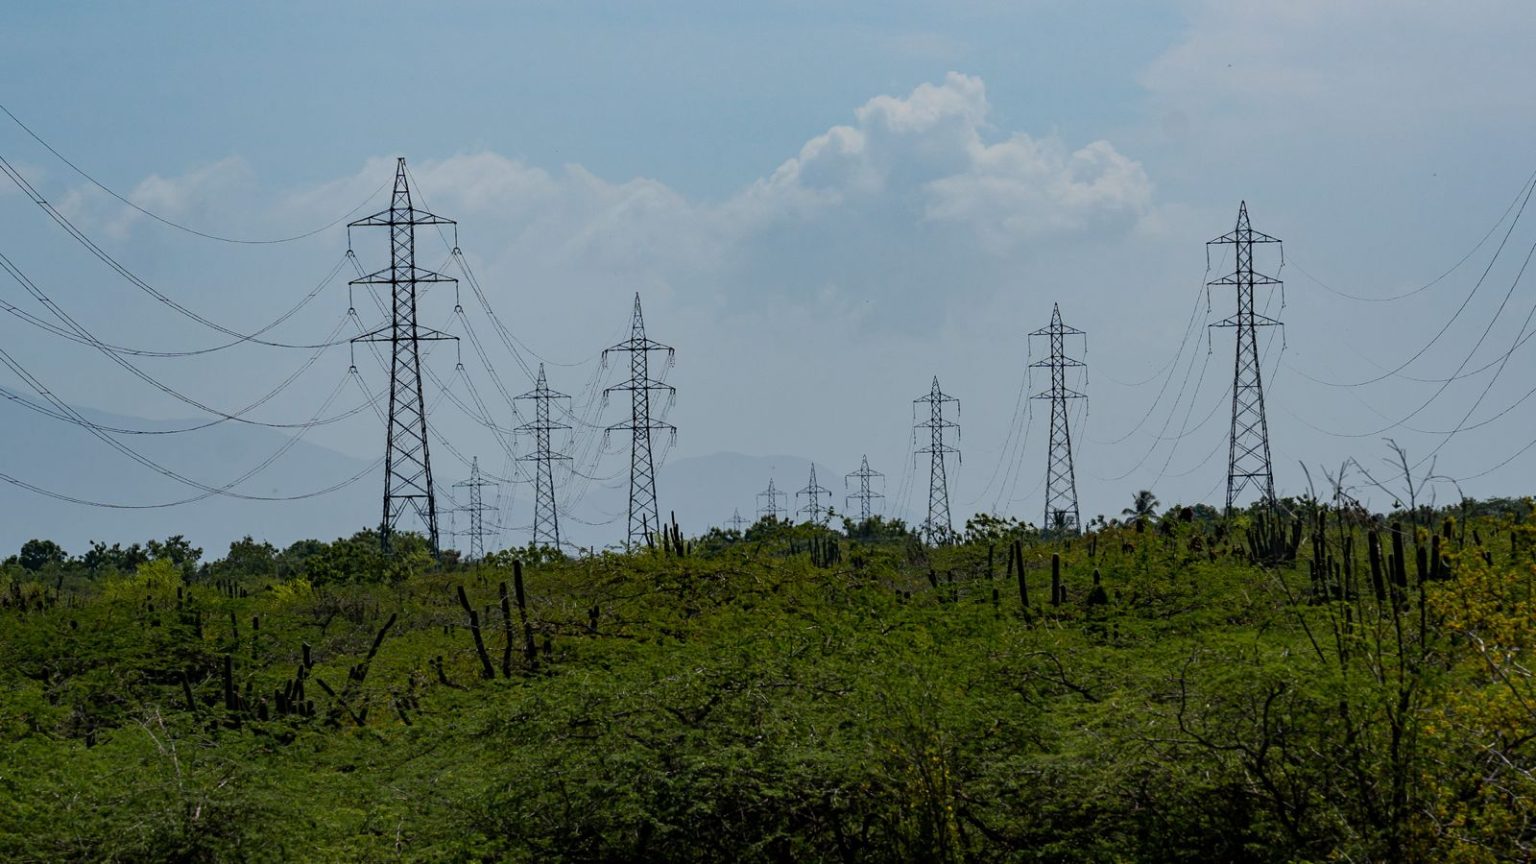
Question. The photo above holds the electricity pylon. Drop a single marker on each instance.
(772, 507)
(1061, 514)
(1248, 459)
(644, 515)
(813, 491)
(476, 509)
(546, 518)
(736, 520)
(937, 527)
(407, 462)
(866, 494)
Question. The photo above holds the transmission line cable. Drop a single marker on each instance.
(178, 226)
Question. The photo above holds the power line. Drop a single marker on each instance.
(132, 278)
(178, 226)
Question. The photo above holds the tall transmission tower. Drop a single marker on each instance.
(866, 495)
(407, 462)
(736, 521)
(937, 527)
(771, 507)
(1061, 513)
(813, 492)
(546, 519)
(476, 509)
(1248, 460)
(644, 515)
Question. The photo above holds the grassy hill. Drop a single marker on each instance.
(1322, 686)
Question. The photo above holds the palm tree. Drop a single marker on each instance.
(1143, 508)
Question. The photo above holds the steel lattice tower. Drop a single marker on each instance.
(772, 508)
(1248, 459)
(937, 528)
(476, 509)
(1061, 513)
(546, 518)
(866, 494)
(644, 515)
(407, 462)
(736, 520)
(813, 511)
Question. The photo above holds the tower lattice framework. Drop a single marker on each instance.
(813, 511)
(737, 521)
(771, 507)
(1248, 456)
(644, 514)
(866, 495)
(476, 509)
(407, 458)
(1061, 512)
(546, 516)
(937, 528)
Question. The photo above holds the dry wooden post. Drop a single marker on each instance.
(486, 669)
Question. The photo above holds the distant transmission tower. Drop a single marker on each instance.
(866, 494)
(937, 528)
(546, 519)
(736, 520)
(1061, 514)
(813, 491)
(476, 509)
(407, 463)
(1248, 461)
(772, 506)
(644, 515)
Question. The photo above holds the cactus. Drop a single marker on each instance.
(1057, 592)
(522, 611)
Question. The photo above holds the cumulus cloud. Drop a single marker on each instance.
(877, 209)
(930, 147)
(204, 194)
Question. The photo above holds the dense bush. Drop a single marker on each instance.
(790, 694)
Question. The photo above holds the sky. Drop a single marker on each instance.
(823, 206)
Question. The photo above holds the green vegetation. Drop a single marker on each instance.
(1318, 685)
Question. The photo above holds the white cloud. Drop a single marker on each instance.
(208, 195)
(930, 146)
(879, 208)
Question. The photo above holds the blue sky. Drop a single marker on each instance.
(824, 205)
